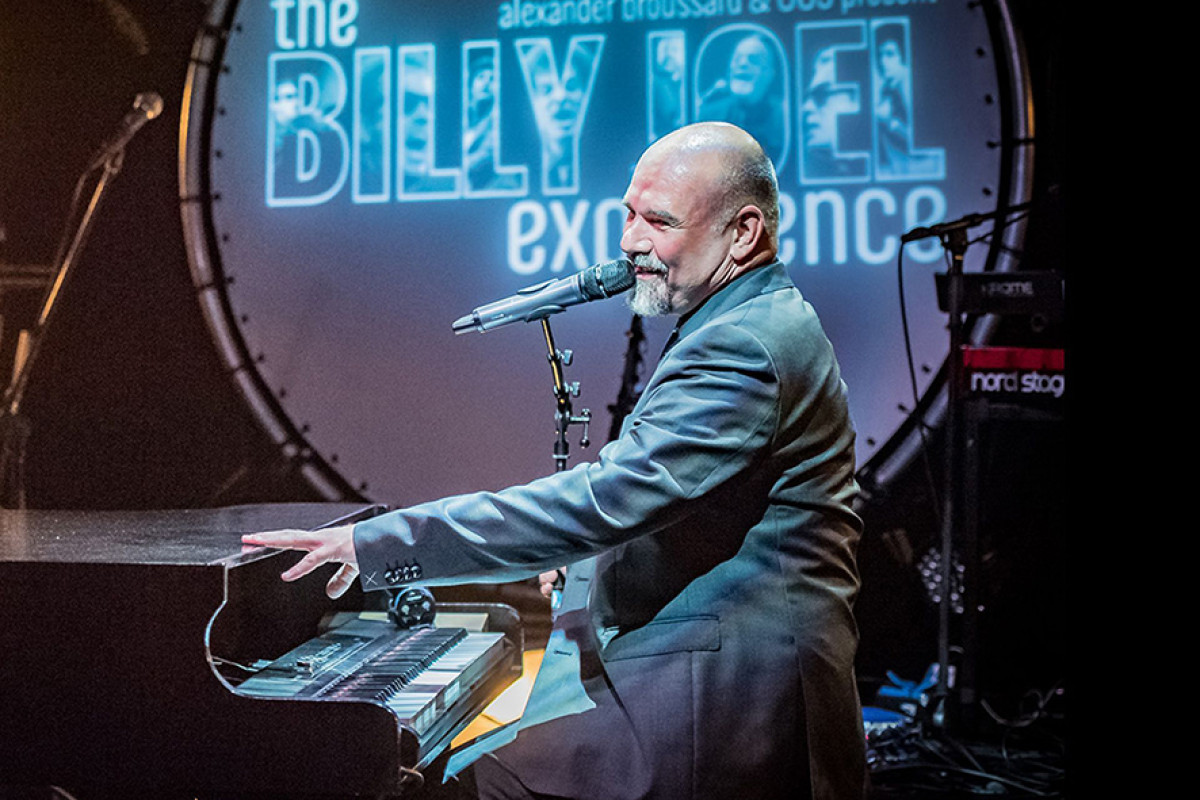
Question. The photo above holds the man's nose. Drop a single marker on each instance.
(633, 239)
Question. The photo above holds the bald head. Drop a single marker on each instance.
(703, 208)
(740, 172)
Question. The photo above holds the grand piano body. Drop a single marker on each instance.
(126, 638)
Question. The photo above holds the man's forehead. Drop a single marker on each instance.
(672, 179)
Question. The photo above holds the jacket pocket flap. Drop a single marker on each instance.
(666, 636)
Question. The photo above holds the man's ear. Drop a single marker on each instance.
(749, 230)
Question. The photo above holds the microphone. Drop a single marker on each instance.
(969, 221)
(541, 300)
(146, 106)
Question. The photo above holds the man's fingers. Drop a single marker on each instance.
(284, 540)
(549, 581)
(305, 565)
(341, 581)
(323, 545)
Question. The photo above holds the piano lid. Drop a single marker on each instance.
(177, 537)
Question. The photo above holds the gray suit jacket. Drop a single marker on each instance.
(714, 655)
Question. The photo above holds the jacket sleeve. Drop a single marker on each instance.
(708, 412)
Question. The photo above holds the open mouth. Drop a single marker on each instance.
(646, 267)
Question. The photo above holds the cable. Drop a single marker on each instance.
(915, 758)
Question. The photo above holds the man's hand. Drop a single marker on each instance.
(549, 581)
(325, 545)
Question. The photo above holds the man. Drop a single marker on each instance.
(559, 103)
(750, 96)
(826, 102)
(714, 656)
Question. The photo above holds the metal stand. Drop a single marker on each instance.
(14, 429)
(564, 417)
(952, 293)
(955, 242)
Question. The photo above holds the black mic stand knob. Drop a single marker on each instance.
(412, 607)
(584, 419)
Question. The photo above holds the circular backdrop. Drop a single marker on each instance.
(358, 174)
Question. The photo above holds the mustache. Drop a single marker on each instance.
(647, 262)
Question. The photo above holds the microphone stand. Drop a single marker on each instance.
(955, 242)
(15, 429)
(564, 417)
(953, 236)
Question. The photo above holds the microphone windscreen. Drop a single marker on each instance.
(608, 279)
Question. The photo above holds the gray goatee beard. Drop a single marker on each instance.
(650, 297)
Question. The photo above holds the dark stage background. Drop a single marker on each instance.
(129, 406)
